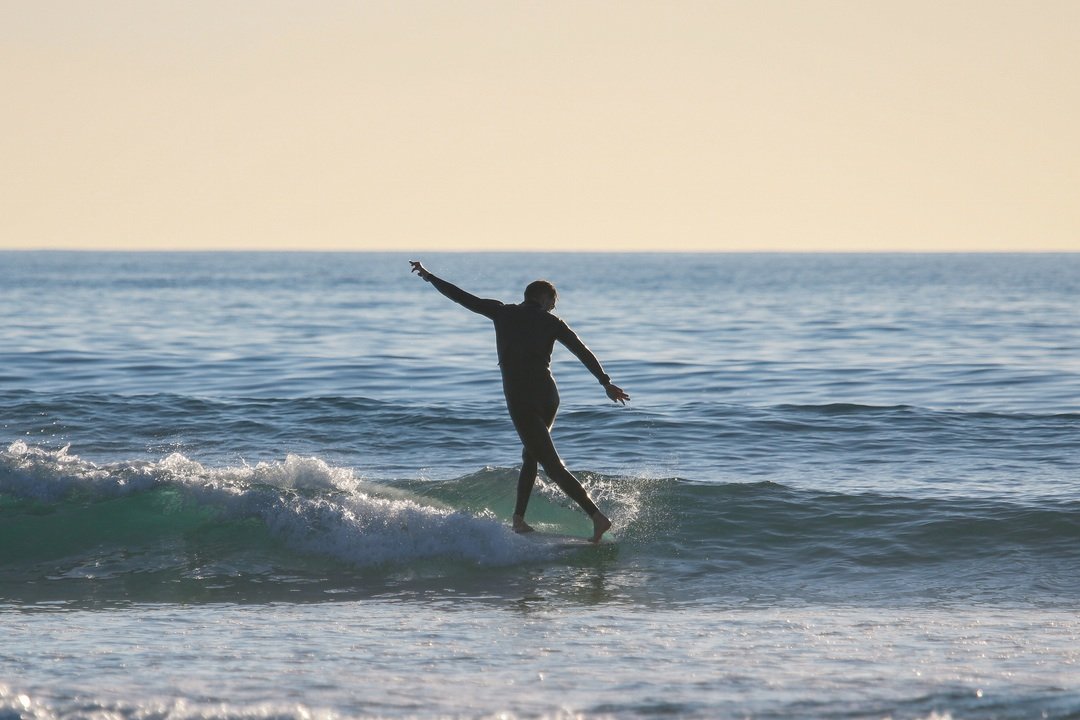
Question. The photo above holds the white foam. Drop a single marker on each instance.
(48, 475)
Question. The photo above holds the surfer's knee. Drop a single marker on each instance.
(556, 470)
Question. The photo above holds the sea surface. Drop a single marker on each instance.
(247, 485)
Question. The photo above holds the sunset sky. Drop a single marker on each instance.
(756, 125)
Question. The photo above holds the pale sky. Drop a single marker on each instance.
(756, 125)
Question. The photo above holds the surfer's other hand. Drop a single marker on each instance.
(616, 393)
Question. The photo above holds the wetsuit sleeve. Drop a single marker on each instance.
(487, 308)
(573, 343)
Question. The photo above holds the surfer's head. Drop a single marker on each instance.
(542, 293)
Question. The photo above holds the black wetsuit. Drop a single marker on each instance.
(525, 335)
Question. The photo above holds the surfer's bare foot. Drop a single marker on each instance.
(520, 526)
(600, 525)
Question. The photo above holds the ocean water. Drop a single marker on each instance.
(246, 485)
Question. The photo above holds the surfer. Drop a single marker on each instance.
(524, 337)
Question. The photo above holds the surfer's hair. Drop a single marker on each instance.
(538, 288)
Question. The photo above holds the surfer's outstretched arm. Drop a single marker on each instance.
(573, 343)
(487, 308)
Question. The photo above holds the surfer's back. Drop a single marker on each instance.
(525, 335)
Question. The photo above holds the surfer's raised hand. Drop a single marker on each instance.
(616, 393)
(419, 269)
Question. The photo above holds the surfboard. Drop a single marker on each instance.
(558, 539)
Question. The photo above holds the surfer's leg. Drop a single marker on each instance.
(570, 485)
(533, 430)
(527, 477)
(526, 480)
(556, 470)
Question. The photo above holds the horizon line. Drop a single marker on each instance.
(307, 251)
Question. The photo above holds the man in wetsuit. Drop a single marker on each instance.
(524, 337)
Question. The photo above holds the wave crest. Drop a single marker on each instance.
(309, 506)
